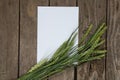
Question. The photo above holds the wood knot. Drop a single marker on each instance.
(118, 67)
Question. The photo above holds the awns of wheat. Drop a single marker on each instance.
(70, 53)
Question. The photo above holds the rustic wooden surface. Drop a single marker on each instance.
(66, 74)
(62, 2)
(9, 17)
(28, 33)
(91, 12)
(18, 38)
(113, 41)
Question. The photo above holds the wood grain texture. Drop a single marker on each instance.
(28, 33)
(91, 12)
(62, 2)
(66, 74)
(113, 41)
(9, 16)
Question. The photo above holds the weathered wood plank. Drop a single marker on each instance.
(62, 2)
(91, 11)
(113, 41)
(69, 73)
(28, 33)
(9, 17)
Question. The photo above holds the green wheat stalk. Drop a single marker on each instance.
(68, 54)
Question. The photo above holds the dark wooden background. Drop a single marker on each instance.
(18, 35)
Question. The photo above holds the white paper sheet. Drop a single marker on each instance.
(54, 26)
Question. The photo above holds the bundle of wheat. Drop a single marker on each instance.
(68, 54)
